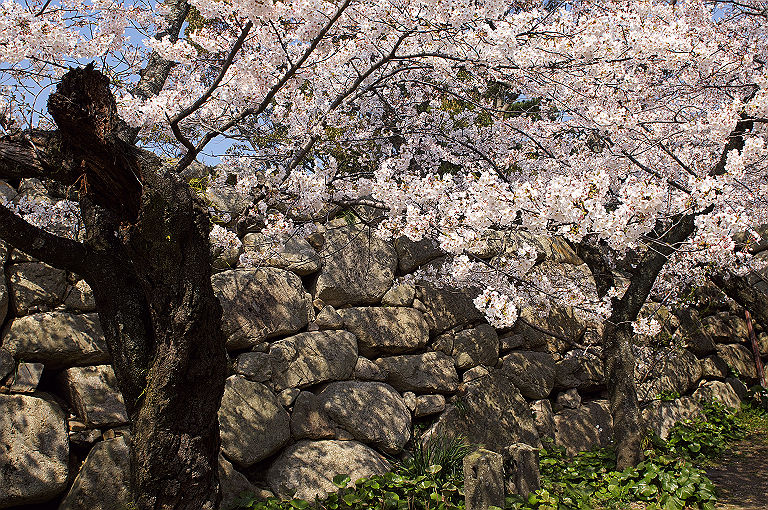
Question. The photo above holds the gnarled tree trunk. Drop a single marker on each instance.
(146, 257)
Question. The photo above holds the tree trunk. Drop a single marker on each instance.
(146, 256)
(628, 429)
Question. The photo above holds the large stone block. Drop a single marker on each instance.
(253, 423)
(290, 252)
(584, 428)
(446, 308)
(524, 475)
(103, 481)
(36, 287)
(261, 303)
(675, 372)
(93, 392)
(412, 254)
(34, 450)
(311, 358)
(585, 372)
(490, 412)
(372, 412)
(431, 372)
(359, 267)
(722, 392)
(738, 358)
(58, 339)
(308, 467)
(382, 331)
(661, 416)
(471, 347)
(532, 372)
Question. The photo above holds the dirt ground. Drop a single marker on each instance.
(741, 476)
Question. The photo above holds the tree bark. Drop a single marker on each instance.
(146, 257)
(618, 334)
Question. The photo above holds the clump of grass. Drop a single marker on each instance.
(447, 452)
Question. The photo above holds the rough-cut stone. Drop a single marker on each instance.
(57, 339)
(367, 370)
(583, 372)
(510, 342)
(431, 372)
(524, 475)
(401, 294)
(308, 419)
(234, 484)
(253, 423)
(260, 303)
(660, 416)
(676, 372)
(382, 331)
(227, 201)
(483, 480)
(290, 252)
(713, 367)
(308, 467)
(36, 287)
(27, 377)
(412, 254)
(717, 390)
(226, 257)
(311, 358)
(560, 321)
(93, 392)
(373, 412)
(288, 396)
(446, 308)
(409, 398)
(103, 481)
(79, 297)
(569, 399)
(544, 418)
(532, 372)
(471, 347)
(34, 451)
(7, 364)
(427, 405)
(584, 428)
(254, 366)
(739, 358)
(359, 267)
(328, 318)
(490, 412)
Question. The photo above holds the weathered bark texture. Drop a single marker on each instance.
(618, 333)
(146, 257)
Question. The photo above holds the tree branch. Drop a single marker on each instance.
(54, 250)
(190, 156)
(186, 112)
(155, 73)
(36, 153)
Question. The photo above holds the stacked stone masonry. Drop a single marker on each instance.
(336, 356)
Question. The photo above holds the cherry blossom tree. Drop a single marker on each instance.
(632, 130)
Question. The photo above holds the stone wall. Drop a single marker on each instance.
(334, 363)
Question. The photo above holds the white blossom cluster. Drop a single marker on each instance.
(609, 119)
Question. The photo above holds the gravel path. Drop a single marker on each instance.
(741, 477)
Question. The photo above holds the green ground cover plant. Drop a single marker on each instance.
(671, 477)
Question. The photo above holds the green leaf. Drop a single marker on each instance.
(299, 503)
(341, 481)
(351, 498)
